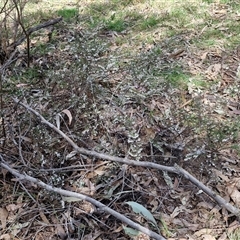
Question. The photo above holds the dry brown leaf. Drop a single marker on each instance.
(44, 235)
(213, 70)
(219, 174)
(16, 228)
(13, 207)
(87, 207)
(84, 207)
(119, 229)
(234, 194)
(237, 112)
(202, 232)
(3, 217)
(91, 187)
(189, 238)
(44, 218)
(92, 236)
(205, 205)
(233, 190)
(26, 139)
(5, 237)
(204, 55)
(177, 210)
(223, 236)
(59, 229)
(78, 212)
(208, 237)
(177, 54)
(20, 199)
(97, 172)
(219, 13)
(233, 226)
(155, 204)
(68, 113)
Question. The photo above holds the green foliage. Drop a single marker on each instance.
(30, 74)
(175, 76)
(68, 13)
(236, 147)
(150, 22)
(117, 25)
(218, 134)
(165, 229)
(235, 235)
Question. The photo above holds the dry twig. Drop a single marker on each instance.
(33, 29)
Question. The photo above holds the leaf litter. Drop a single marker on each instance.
(118, 104)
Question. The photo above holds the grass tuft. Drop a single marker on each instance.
(150, 22)
(68, 13)
(116, 24)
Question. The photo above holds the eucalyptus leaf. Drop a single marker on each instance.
(138, 208)
(130, 231)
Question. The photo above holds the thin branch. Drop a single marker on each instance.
(34, 29)
(221, 201)
(20, 22)
(3, 9)
(176, 169)
(9, 61)
(96, 203)
(1, 108)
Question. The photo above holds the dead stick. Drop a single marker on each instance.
(33, 29)
(83, 197)
(222, 202)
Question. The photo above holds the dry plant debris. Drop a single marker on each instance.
(130, 104)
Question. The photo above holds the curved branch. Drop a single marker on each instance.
(83, 197)
(33, 29)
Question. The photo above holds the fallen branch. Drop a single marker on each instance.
(34, 29)
(221, 201)
(176, 169)
(83, 197)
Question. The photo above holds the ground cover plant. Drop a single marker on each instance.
(142, 81)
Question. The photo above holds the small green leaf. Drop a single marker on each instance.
(130, 231)
(138, 208)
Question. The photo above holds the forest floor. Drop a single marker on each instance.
(151, 81)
